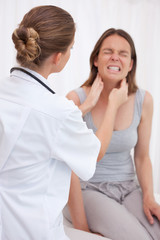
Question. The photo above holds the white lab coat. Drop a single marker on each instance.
(42, 137)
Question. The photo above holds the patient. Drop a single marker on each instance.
(113, 203)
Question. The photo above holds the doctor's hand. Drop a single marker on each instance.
(93, 95)
(118, 96)
(95, 91)
(151, 207)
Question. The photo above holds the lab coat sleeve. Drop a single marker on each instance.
(77, 145)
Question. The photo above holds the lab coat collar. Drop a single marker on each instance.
(24, 76)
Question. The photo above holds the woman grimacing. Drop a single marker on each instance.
(114, 204)
(42, 135)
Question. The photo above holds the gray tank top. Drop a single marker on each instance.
(117, 163)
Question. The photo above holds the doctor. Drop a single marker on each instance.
(42, 135)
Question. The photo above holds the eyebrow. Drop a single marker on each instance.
(108, 49)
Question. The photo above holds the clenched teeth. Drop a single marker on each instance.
(114, 68)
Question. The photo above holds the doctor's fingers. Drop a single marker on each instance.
(124, 84)
(97, 85)
(98, 81)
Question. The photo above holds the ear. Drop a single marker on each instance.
(56, 57)
(131, 65)
(95, 62)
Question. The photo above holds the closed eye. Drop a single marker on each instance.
(124, 54)
(107, 51)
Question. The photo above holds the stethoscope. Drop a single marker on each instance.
(31, 75)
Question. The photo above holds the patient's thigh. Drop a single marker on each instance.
(111, 219)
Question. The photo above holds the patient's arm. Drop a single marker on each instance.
(75, 204)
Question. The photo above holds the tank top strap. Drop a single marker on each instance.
(139, 101)
(81, 94)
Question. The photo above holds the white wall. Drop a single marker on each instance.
(140, 18)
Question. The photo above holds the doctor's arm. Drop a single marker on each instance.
(143, 162)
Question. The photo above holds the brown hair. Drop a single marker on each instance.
(132, 87)
(43, 31)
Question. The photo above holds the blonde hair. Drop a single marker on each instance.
(26, 43)
(43, 31)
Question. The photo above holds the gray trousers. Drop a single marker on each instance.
(118, 214)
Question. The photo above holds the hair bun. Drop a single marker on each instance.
(26, 43)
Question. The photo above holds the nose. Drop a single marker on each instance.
(114, 57)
